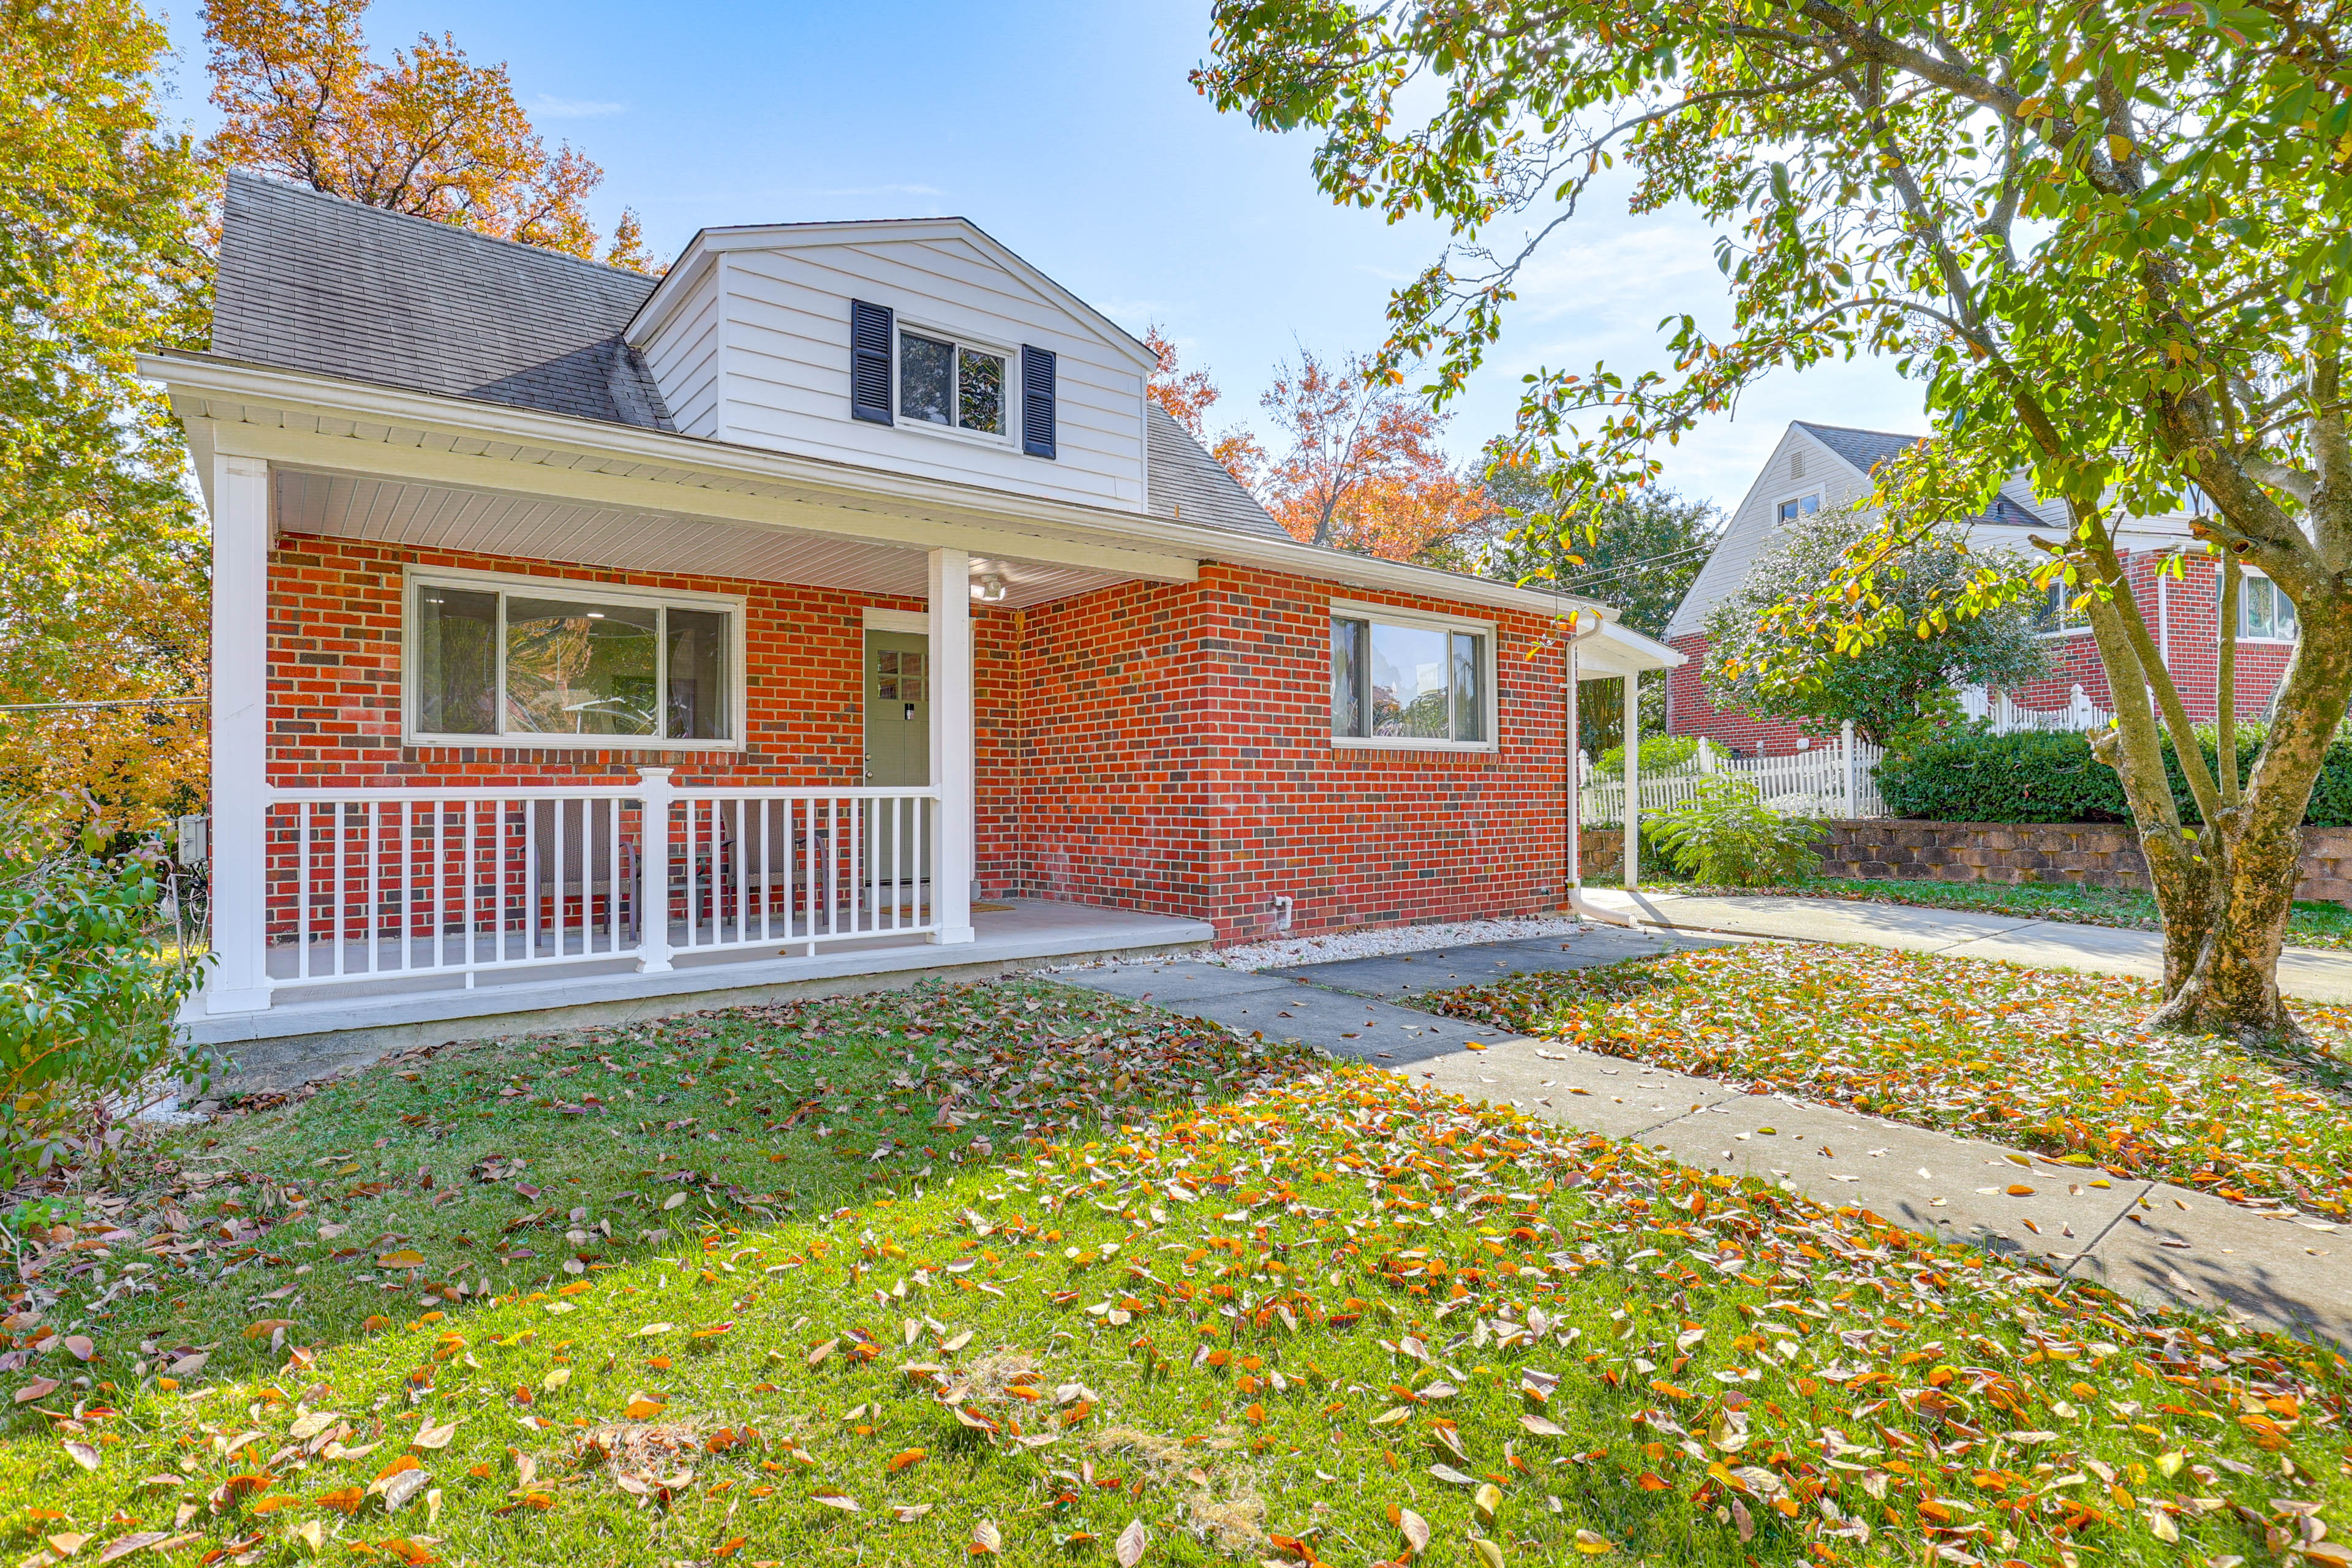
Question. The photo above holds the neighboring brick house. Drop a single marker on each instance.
(837, 603)
(1825, 467)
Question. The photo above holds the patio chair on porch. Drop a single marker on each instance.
(575, 892)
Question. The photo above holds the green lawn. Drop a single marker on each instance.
(1197, 1299)
(2312, 925)
(2044, 1059)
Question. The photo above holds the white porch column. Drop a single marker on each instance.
(240, 736)
(1632, 813)
(951, 750)
(1575, 778)
(653, 895)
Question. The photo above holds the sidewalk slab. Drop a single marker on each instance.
(1409, 974)
(2152, 1241)
(2311, 973)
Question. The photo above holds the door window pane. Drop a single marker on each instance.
(1409, 683)
(979, 392)
(579, 669)
(1347, 677)
(457, 661)
(1469, 705)
(926, 379)
(698, 698)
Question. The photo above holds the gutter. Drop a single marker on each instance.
(848, 486)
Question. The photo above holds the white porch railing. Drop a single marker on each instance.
(2007, 719)
(393, 883)
(1836, 778)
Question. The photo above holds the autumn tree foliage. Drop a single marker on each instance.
(1188, 395)
(427, 132)
(101, 550)
(1363, 470)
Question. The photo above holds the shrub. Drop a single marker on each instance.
(1725, 835)
(1660, 754)
(1971, 777)
(87, 999)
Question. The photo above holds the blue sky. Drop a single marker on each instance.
(1069, 131)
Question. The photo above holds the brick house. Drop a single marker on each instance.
(836, 604)
(1823, 466)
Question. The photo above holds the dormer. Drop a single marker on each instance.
(920, 346)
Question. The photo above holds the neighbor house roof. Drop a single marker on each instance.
(1866, 450)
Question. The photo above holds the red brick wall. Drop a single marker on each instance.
(1180, 761)
(1157, 747)
(1690, 711)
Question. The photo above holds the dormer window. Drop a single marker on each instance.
(950, 384)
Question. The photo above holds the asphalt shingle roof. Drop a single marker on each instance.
(1866, 450)
(313, 282)
(316, 283)
(1190, 485)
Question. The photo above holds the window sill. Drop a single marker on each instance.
(2268, 642)
(1385, 744)
(957, 433)
(568, 743)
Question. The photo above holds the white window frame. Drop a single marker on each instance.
(2248, 576)
(416, 579)
(1811, 493)
(2080, 625)
(959, 341)
(1490, 709)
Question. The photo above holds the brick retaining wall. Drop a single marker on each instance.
(2095, 854)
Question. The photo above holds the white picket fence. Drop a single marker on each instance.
(1834, 778)
(2007, 719)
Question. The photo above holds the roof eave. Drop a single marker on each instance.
(209, 375)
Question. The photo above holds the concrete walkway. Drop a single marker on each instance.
(2149, 1239)
(2308, 972)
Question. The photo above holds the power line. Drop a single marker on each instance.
(1583, 579)
(126, 702)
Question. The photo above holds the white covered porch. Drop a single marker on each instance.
(387, 1008)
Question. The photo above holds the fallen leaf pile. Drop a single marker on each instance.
(2048, 1060)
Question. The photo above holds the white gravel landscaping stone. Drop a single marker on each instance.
(1379, 941)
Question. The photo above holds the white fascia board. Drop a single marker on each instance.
(848, 486)
(677, 283)
(1618, 650)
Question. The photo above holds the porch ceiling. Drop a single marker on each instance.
(445, 518)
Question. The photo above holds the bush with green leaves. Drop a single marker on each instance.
(1727, 836)
(1969, 775)
(87, 995)
(1660, 754)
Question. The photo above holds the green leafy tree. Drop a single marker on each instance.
(1638, 553)
(1787, 668)
(2109, 242)
(101, 552)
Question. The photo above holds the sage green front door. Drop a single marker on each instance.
(899, 746)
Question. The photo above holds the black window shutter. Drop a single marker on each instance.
(1036, 401)
(869, 362)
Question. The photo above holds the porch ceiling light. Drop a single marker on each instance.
(988, 590)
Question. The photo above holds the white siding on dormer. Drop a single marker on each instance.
(1800, 466)
(774, 332)
(685, 360)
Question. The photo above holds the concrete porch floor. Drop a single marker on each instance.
(314, 1031)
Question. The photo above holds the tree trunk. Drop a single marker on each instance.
(2249, 858)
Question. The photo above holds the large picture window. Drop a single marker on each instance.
(540, 662)
(1403, 682)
